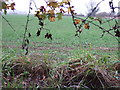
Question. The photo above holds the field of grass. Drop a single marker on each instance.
(63, 37)
(64, 46)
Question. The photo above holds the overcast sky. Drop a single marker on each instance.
(80, 5)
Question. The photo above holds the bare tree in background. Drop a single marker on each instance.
(91, 8)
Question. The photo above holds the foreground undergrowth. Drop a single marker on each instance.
(86, 71)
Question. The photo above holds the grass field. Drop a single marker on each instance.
(63, 37)
(64, 46)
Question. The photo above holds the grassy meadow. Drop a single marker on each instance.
(59, 51)
(63, 37)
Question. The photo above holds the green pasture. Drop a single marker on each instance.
(64, 44)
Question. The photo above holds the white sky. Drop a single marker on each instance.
(80, 5)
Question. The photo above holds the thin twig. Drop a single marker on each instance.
(8, 23)
(10, 26)
(111, 19)
(35, 4)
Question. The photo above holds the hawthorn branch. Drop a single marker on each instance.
(25, 40)
(91, 13)
(72, 15)
(100, 27)
(86, 19)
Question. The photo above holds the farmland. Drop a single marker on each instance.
(63, 48)
(63, 35)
